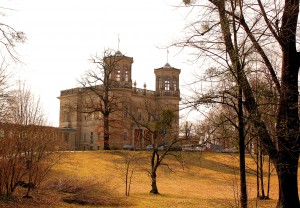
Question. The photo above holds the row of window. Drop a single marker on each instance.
(92, 116)
(167, 84)
(138, 116)
(66, 116)
(90, 148)
(118, 76)
(91, 137)
(98, 115)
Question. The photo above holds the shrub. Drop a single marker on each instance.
(113, 148)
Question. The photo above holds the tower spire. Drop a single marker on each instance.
(118, 52)
(118, 42)
(167, 55)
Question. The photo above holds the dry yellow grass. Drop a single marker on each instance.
(207, 180)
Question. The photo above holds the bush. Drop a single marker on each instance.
(114, 148)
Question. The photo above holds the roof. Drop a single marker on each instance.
(167, 65)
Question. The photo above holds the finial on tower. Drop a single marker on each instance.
(118, 53)
(118, 42)
(167, 65)
(167, 55)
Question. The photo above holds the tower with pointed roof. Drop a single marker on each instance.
(167, 81)
(122, 71)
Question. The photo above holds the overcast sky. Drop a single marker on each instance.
(63, 34)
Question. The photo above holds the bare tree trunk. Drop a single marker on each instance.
(269, 179)
(154, 160)
(129, 183)
(126, 180)
(154, 189)
(257, 170)
(241, 128)
(30, 173)
(287, 178)
(261, 170)
(106, 132)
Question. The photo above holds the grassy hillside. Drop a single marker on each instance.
(96, 179)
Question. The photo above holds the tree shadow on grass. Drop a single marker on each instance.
(219, 162)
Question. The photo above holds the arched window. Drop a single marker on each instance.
(159, 83)
(174, 84)
(118, 75)
(126, 76)
(167, 85)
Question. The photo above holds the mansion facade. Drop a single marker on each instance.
(136, 106)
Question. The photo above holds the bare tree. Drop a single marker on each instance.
(12, 166)
(29, 149)
(162, 140)
(98, 85)
(41, 152)
(9, 37)
(25, 108)
(130, 162)
(5, 92)
(266, 31)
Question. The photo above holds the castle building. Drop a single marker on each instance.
(136, 106)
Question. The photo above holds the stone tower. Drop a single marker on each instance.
(121, 66)
(167, 81)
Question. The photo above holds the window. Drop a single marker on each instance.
(99, 136)
(1, 133)
(66, 116)
(126, 76)
(148, 135)
(159, 83)
(118, 75)
(84, 137)
(167, 85)
(98, 115)
(66, 137)
(92, 137)
(125, 113)
(174, 85)
(139, 117)
(125, 135)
